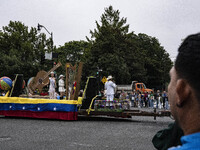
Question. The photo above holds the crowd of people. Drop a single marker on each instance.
(138, 99)
(150, 100)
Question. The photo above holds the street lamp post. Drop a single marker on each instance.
(41, 26)
(51, 33)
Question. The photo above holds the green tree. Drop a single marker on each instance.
(156, 61)
(21, 50)
(72, 52)
(125, 55)
(109, 46)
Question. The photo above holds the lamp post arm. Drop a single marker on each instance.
(47, 30)
(41, 26)
(51, 36)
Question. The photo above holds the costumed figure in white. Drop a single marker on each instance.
(110, 91)
(61, 85)
(52, 86)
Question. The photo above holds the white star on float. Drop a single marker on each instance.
(23, 108)
(54, 108)
(10, 107)
(38, 108)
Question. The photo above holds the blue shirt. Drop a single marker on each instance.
(189, 142)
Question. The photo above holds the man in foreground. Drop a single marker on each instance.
(184, 92)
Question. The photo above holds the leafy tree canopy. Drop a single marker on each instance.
(111, 47)
(125, 55)
(72, 52)
(21, 50)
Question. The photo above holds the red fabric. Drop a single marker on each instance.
(43, 94)
(43, 114)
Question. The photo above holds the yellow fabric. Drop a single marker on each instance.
(80, 100)
(34, 100)
(7, 94)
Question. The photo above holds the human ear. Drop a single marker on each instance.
(183, 91)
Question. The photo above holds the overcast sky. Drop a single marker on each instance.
(167, 20)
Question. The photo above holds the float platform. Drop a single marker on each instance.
(39, 108)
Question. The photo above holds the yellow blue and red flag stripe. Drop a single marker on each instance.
(38, 108)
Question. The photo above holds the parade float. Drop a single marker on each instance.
(89, 104)
(36, 106)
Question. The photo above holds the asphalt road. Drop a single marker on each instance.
(94, 133)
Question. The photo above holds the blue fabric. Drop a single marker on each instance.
(39, 107)
(189, 142)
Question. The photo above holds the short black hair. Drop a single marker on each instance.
(187, 63)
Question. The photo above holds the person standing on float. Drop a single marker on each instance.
(52, 86)
(110, 91)
(61, 85)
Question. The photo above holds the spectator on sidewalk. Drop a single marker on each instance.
(184, 92)
(164, 95)
(166, 102)
(151, 98)
(184, 95)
